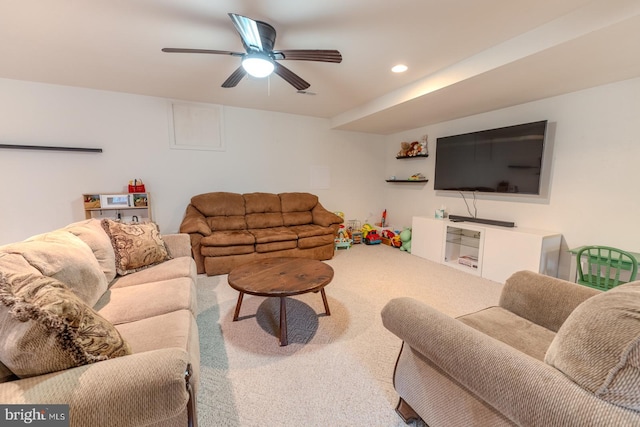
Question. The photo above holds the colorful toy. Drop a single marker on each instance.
(343, 240)
(366, 229)
(405, 237)
(372, 238)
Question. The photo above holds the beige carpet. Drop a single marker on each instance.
(337, 370)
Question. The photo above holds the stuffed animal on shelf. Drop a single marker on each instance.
(404, 149)
(405, 237)
(415, 149)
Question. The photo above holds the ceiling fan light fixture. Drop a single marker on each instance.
(258, 65)
(400, 68)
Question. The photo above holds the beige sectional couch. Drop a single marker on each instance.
(229, 229)
(120, 347)
(552, 353)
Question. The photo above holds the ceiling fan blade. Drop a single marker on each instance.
(321, 55)
(292, 78)
(235, 77)
(248, 30)
(217, 52)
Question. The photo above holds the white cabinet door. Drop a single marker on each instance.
(426, 238)
(508, 251)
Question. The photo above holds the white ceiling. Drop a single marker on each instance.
(464, 56)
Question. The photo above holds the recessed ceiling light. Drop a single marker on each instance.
(400, 68)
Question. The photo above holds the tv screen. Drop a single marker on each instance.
(502, 160)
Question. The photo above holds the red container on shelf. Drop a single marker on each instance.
(136, 188)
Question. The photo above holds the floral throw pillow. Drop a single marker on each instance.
(136, 246)
(51, 328)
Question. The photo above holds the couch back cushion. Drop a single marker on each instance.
(261, 203)
(219, 204)
(226, 223)
(298, 202)
(91, 232)
(65, 257)
(263, 210)
(598, 346)
(296, 208)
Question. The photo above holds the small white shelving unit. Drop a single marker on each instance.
(127, 207)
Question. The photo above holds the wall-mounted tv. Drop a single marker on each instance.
(502, 160)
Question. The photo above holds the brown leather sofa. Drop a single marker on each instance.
(230, 229)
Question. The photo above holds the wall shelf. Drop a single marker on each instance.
(412, 157)
(50, 148)
(408, 180)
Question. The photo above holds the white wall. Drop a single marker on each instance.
(271, 152)
(593, 197)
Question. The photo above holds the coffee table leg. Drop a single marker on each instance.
(324, 300)
(238, 304)
(283, 322)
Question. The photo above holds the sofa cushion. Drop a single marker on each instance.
(228, 238)
(51, 328)
(216, 251)
(65, 257)
(173, 329)
(261, 203)
(276, 234)
(171, 269)
(264, 220)
(297, 218)
(311, 230)
(298, 202)
(219, 204)
(222, 223)
(136, 246)
(122, 305)
(315, 241)
(511, 329)
(15, 264)
(91, 232)
(276, 246)
(598, 346)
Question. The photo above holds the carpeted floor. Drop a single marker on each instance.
(337, 370)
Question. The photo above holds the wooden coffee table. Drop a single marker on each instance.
(281, 277)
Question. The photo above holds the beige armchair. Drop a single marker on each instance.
(551, 353)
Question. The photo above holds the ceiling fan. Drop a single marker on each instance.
(258, 39)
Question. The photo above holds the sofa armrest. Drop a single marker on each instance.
(178, 244)
(323, 217)
(194, 222)
(524, 389)
(543, 300)
(138, 389)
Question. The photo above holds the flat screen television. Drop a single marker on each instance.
(502, 160)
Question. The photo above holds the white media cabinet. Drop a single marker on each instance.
(488, 251)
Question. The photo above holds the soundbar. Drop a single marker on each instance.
(458, 218)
